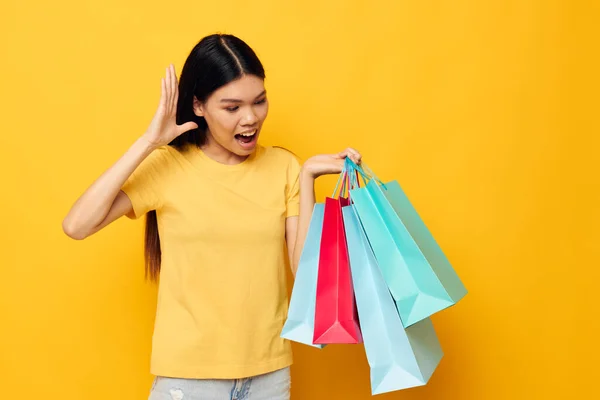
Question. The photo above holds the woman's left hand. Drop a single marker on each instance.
(324, 164)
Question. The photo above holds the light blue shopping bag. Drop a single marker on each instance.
(417, 272)
(300, 322)
(399, 357)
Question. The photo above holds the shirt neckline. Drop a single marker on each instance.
(205, 160)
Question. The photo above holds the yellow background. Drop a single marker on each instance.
(486, 112)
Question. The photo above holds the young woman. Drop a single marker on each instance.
(220, 208)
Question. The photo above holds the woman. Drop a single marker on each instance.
(220, 208)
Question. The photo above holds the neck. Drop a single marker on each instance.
(219, 153)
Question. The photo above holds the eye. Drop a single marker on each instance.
(235, 108)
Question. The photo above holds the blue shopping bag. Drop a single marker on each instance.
(417, 272)
(300, 322)
(399, 357)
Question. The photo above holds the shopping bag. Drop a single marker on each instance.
(399, 358)
(299, 325)
(336, 317)
(417, 272)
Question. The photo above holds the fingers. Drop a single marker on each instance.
(173, 84)
(352, 153)
(169, 85)
(163, 93)
(168, 90)
(176, 88)
(188, 126)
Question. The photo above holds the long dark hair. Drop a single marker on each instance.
(214, 62)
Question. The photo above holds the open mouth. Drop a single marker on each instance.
(246, 138)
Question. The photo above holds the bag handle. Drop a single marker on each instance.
(343, 179)
(349, 180)
(366, 173)
(354, 175)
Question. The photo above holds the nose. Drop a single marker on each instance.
(250, 117)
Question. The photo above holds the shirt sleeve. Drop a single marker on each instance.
(145, 186)
(293, 187)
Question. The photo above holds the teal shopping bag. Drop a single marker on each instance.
(417, 272)
(399, 357)
(300, 322)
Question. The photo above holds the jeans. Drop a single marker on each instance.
(271, 386)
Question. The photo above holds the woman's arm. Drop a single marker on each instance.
(297, 227)
(104, 202)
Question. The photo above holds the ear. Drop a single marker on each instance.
(198, 107)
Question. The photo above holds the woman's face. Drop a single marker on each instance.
(235, 114)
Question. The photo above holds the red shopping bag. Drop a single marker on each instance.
(336, 316)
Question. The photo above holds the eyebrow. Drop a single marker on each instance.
(240, 101)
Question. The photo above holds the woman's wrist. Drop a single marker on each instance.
(146, 144)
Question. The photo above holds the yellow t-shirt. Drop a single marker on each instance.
(222, 297)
